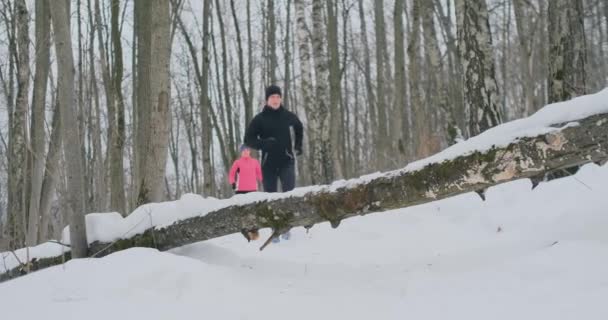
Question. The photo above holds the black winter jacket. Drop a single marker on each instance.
(269, 131)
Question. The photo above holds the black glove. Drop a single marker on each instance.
(298, 151)
(234, 186)
(268, 143)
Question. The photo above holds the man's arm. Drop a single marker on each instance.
(299, 131)
(252, 133)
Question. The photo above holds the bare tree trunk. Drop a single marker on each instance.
(202, 75)
(436, 86)
(400, 109)
(371, 100)
(306, 90)
(383, 144)
(271, 54)
(420, 115)
(525, 36)
(98, 174)
(174, 153)
(335, 90)
(88, 154)
(38, 134)
(208, 173)
(287, 57)
(71, 138)
(226, 86)
(605, 7)
(456, 88)
(601, 58)
(244, 92)
(188, 117)
(17, 174)
(481, 88)
(321, 115)
(567, 50)
(117, 179)
(154, 49)
(51, 173)
(249, 64)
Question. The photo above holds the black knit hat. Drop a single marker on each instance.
(272, 90)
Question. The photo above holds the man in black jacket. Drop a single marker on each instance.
(270, 131)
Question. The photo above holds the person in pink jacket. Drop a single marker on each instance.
(245, 173)
(244, 176)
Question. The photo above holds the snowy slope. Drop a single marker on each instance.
(522, 254)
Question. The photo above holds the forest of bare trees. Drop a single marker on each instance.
(109, 104)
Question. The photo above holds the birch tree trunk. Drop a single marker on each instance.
(38, 134)
(72, 140)
(17, 174)
(335, 90)
(306, 90)
(321, 115)
(99, 187)
(477, 54)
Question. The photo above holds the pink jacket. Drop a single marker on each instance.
(248, 170)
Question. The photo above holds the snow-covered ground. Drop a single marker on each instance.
(522, 254)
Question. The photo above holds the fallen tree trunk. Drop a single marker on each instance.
(533, 158)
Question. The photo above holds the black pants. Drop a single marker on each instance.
(285, 173)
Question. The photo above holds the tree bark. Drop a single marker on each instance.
(271, 53)
(38, 134)
(98, 179)
(306, 89)
(17, 174)
(525, 36)
(371, 96)
(154, 48)
(436, 85)
(567, 50)
(381, 92)
(321, 115)
(72, 139)
(116, 154)
(244, 92)
(420, 120)
(51, 173)
(529, 157)
(227, 106)
(398, 119)
(456, 88)
(335, 90)
(477, 54)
